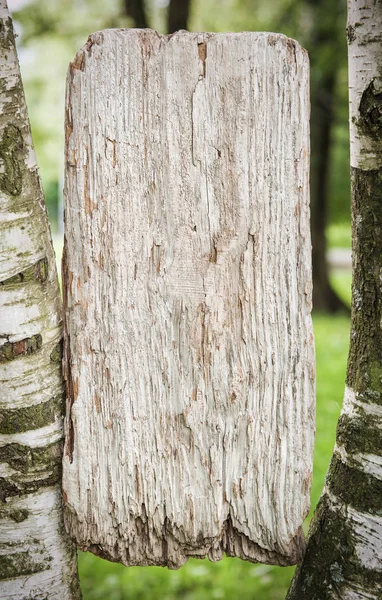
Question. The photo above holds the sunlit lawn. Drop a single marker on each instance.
(233, 578)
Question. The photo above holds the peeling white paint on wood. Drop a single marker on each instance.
(189, 347)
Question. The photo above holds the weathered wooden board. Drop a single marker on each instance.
(187, 274)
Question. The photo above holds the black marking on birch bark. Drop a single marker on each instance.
(26, 460)
(11, 146)
(41, 270)
(11, 350)
(17, 564)
(7, 489)
(364, 372)
(370, 110)
(359, 433)
(331, 560)
(57, 352)
(38, 271)
(19, 515)
(26, 418)
(350, 33)
(354, 487)
(6, 34)
(15, 486)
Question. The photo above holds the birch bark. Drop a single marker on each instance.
(189, 348)
(344, 554)
(37, 559)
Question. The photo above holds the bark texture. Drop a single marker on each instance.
(344, 554)
(37, 560)
(189, 348)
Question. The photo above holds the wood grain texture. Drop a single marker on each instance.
(187, 275)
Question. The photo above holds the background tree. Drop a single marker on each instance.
(177, 14)
(37, 558)
(344, 555)
(327, 50)
(136, 10)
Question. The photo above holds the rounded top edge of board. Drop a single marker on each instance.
(142, 36)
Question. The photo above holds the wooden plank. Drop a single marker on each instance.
(187, 275)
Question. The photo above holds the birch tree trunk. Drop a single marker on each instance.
(344, 554)
(37, 559)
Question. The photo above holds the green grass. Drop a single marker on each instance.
(197, 580)
(233, 579)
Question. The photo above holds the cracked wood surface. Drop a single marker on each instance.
(187, 274)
